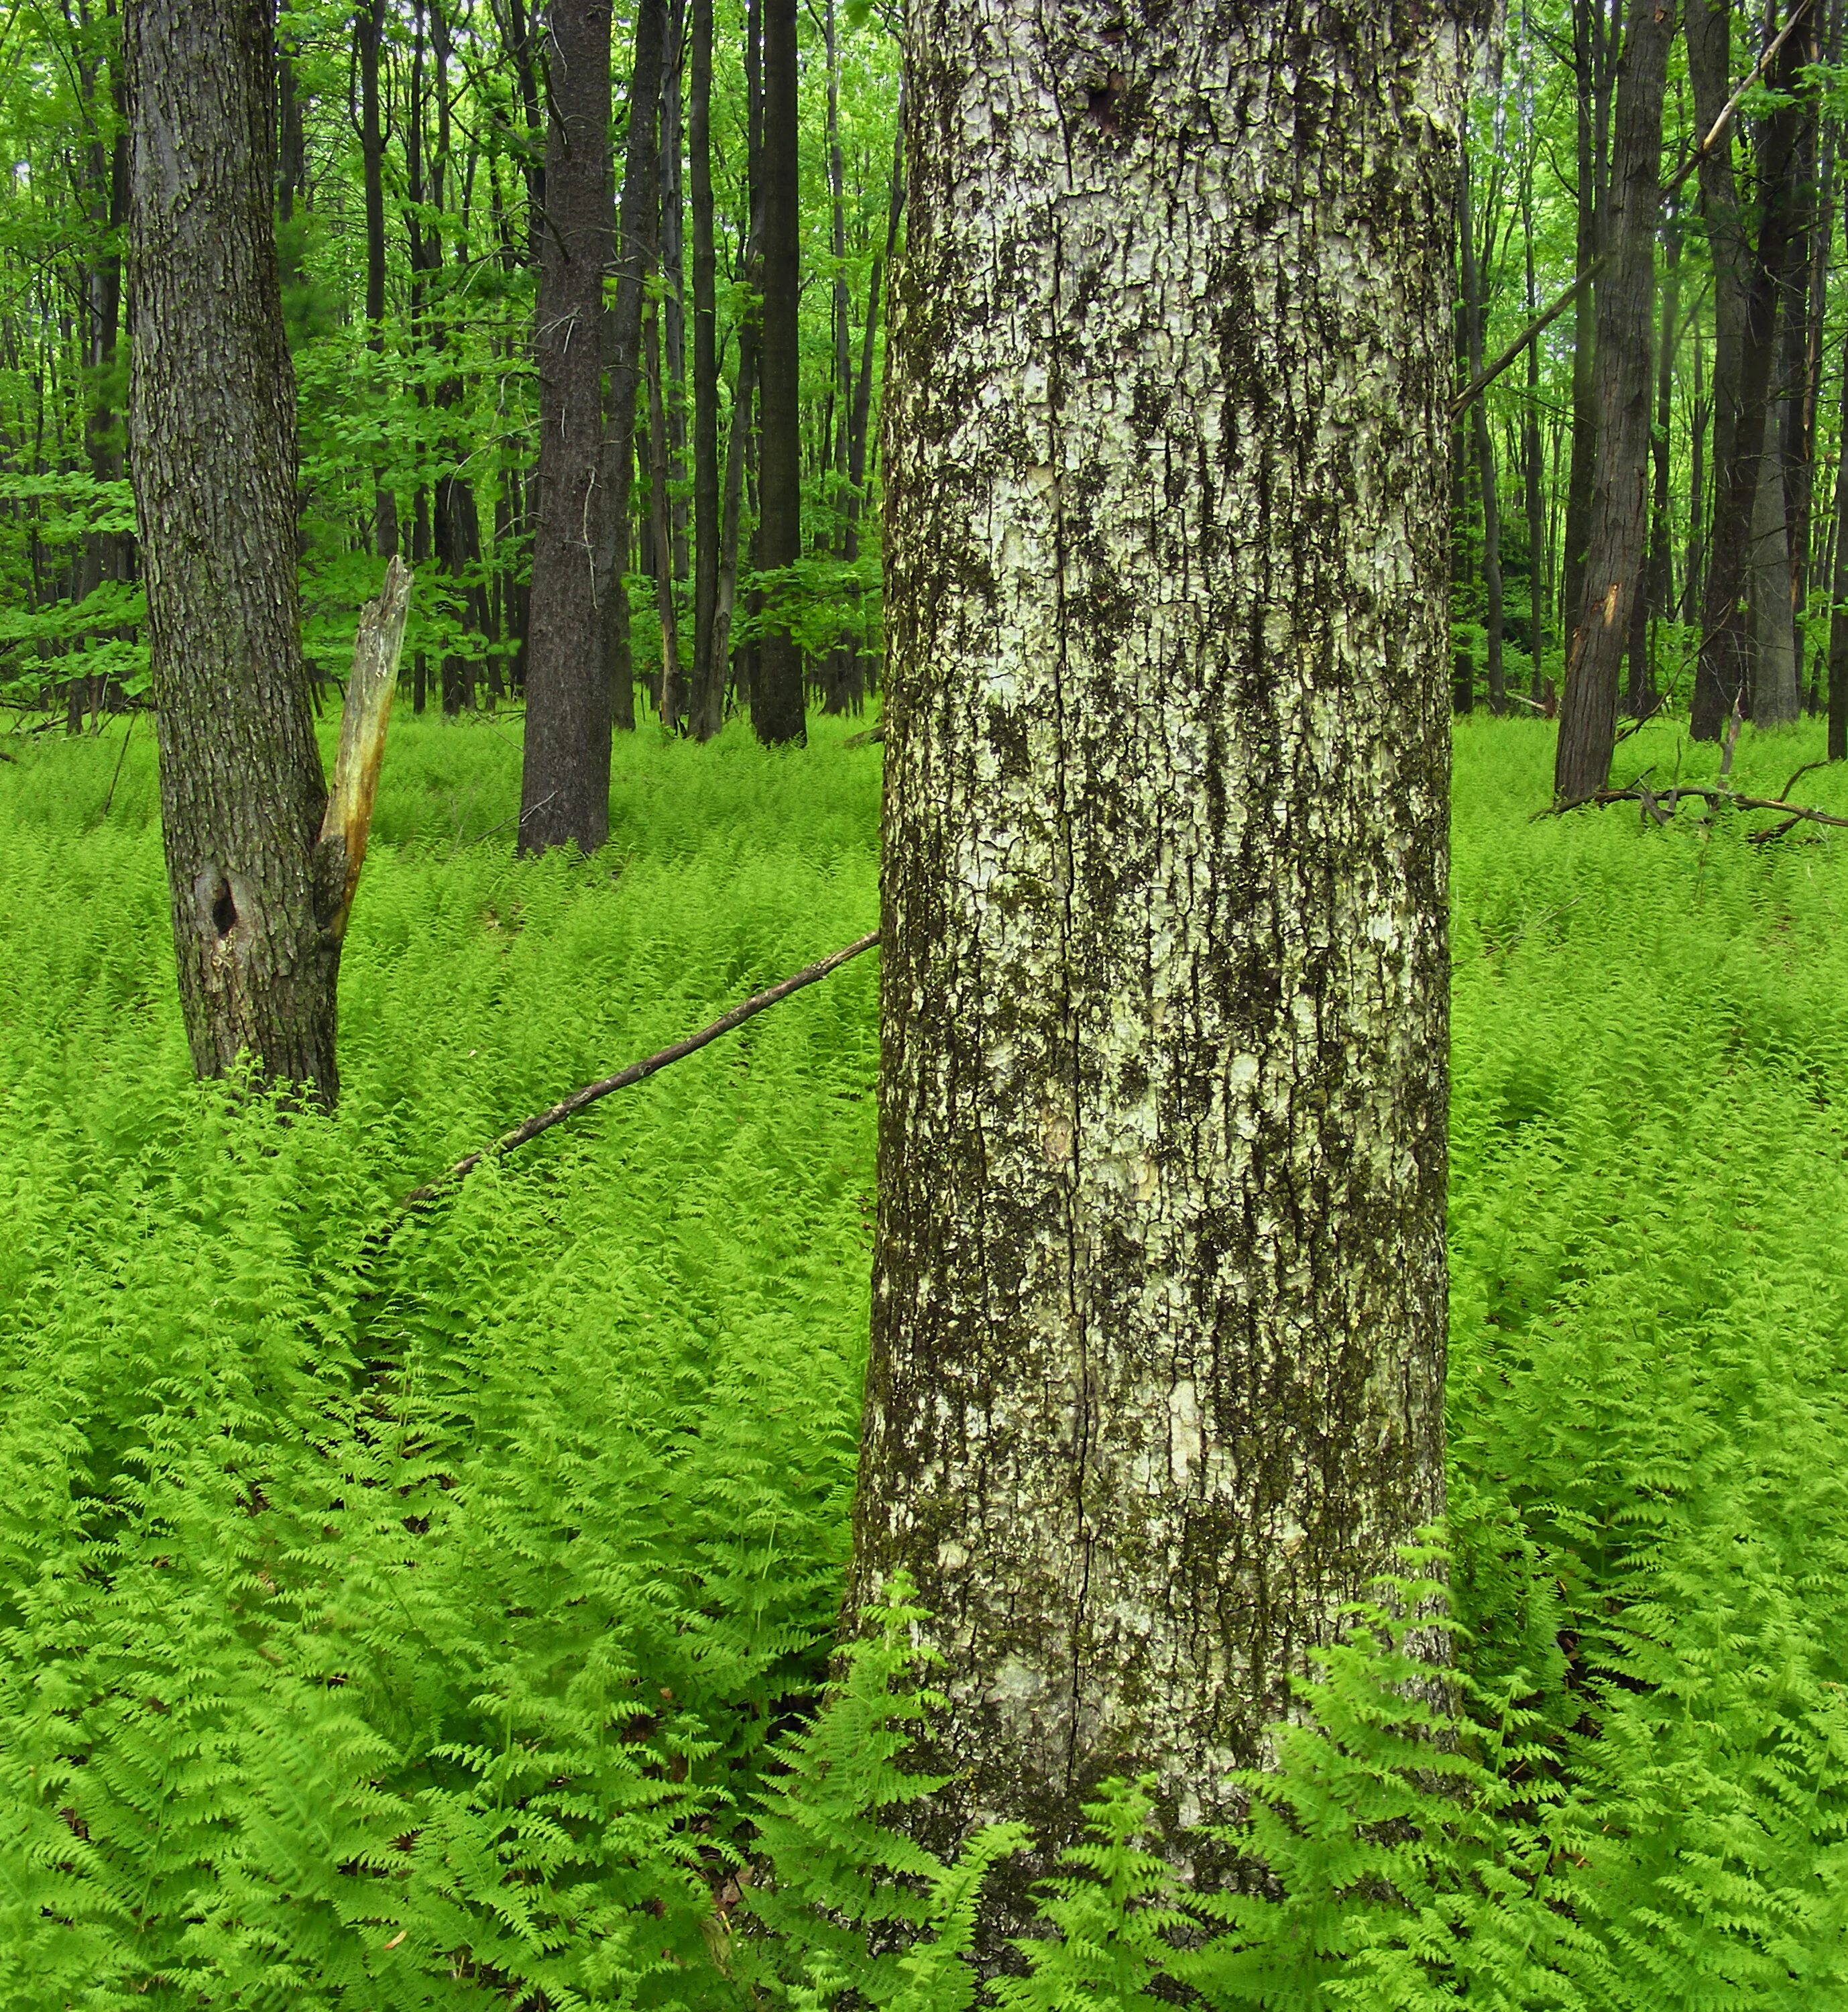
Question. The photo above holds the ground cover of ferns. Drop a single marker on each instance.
(436, 1621)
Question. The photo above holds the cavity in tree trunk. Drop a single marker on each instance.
(776, 704)
(241, 790)
(622, 340)
(565, 779)
(1617, 552)
(1157, 1369)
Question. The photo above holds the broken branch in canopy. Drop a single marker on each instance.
(582, 1099)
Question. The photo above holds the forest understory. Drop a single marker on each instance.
(432, 1611)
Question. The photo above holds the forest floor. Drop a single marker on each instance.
(480, 1562)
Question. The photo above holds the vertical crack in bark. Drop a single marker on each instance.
(1081, 1420)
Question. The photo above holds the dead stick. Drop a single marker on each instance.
(581, 1099)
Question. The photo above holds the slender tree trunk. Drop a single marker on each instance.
(368, 23)
(776, 699)
(669, 694)
(622, 346)
(1473, 311)
(1157, 1370)
(1538, 542)
(1693, 585)
(673, 267)
(1617, 555)
(1838, 622)
(565, 780)
(242, 795)
(1654, 603)
(858, 441)
(1587, 65)
(707, 711)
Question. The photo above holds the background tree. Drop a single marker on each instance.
(213, 425)
(565, 780)
(1157, 1349)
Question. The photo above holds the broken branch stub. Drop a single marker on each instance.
(376, 646)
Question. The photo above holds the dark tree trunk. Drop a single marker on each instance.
(1157, 1370)
(1617, 555)
(242, 795)
(776, 699)
(668, 696)
(565, 781)
(1588, 66)
(368, 24)
(1746, 289)
(673, 267)
(708, 675)
(622, 348)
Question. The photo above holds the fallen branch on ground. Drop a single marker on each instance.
(581, 1099)
(862, 740)
(1659, 805)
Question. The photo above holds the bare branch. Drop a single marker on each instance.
(581, 1099)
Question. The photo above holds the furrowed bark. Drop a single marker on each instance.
(1157, 1366)
(242, 794)
(565, 776)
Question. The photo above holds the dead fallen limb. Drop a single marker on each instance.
(863, 739)
(1660, 805)
(581, 1099)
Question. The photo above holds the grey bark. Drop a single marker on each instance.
(1157, 1365)
(1776, 699)
(242, 794)
(565, 776)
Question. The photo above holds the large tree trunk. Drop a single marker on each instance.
(242, 795)
(1157, 1368)
(776, 699)
(622, 347)
(565, 779)
(1617, 552)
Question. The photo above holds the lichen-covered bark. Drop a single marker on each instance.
(212, 433)
(1159, 1297)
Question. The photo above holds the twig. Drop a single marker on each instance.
(862, 739)
(1731, 738)
(120, 759)
(1798, 777)
(581, 1099)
